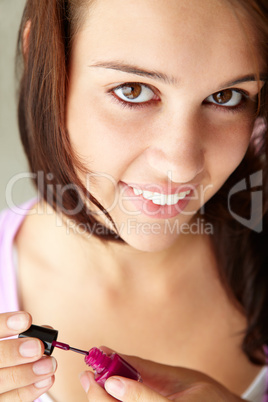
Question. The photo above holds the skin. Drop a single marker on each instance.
(181, 137)
(198, 139)
(162, 383)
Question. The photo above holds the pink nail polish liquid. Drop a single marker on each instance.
(103, 365)
(106, 366)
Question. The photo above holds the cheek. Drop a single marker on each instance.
(228, 145)
(106, 145)
(104, 142)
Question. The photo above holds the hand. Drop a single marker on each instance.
(160, 383)
(25, 373)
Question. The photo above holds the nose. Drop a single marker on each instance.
(176, 150)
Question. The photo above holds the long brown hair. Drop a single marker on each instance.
(242, 252)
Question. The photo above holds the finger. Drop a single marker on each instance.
(29, 393)
(106, 350)
(14, 323)
(148, 368)
(156, 375)
(126, 390)
(203, 392)
(27, 374)
(19, 351)
(95, 393)
(160, 376)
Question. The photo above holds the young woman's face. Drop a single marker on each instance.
(160, 109)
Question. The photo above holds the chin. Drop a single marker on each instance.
(150, 242)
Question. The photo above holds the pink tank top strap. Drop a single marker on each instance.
(265, 397)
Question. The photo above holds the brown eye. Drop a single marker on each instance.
(131, 91)
(134, 92)
(223, 96)
(227, 98)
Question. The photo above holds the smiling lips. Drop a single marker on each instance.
(161, 199)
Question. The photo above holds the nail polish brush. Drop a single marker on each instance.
(104, 365)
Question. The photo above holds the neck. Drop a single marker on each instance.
(122, 264)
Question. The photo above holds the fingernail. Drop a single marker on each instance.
(44, 383)
(85, 382)
(18, 322)
(30, 348)
(115, 387)
(45, 366)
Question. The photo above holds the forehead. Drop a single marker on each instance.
(171, 35)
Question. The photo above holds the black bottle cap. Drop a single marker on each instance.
(47, 336)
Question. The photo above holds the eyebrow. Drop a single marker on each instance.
(170, 80)
(246, 78)
(133, 69)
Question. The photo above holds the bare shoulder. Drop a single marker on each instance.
(47, 249)
(45, 239)
(35, 235)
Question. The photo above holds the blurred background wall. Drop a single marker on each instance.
(13, 164)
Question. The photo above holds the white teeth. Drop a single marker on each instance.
(161, 199)
(148, 195)
(137, 191)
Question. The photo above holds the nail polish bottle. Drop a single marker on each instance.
(104, 365)
(46, 335)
